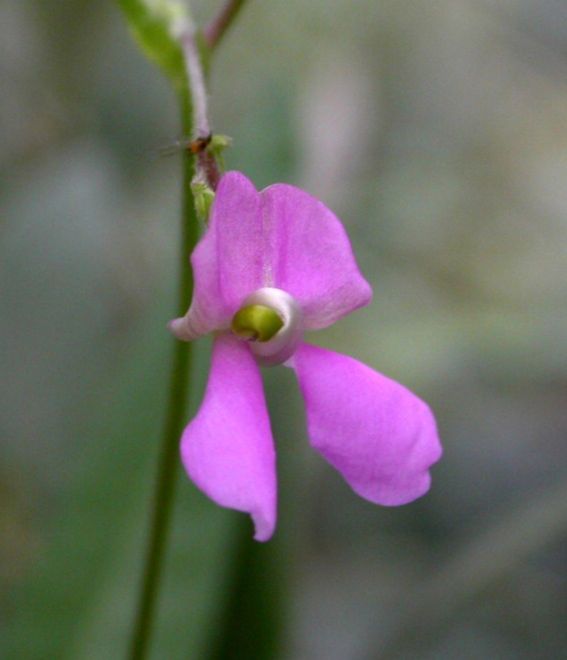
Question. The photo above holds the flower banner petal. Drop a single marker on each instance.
(376, 433)
(227, 449)
(227, 262)
(282, 238)
(310, 256)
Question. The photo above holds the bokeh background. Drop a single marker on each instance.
(438, 132)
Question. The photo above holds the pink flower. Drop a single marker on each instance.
(281, 257)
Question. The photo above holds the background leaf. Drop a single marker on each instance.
(152, 23)
(80, 599)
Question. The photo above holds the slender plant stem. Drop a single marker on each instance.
(201, 126)
(217, 28)
(207, 170)
(194, 119)
(174, 420)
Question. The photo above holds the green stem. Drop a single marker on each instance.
(194, 120)
(176, 417)
(252, 616)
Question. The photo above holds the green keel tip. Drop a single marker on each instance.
(256, 323)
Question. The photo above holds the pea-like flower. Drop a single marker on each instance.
(271, 266)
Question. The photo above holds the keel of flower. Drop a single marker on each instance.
(275, 320)
(272, 265)
(256, 323)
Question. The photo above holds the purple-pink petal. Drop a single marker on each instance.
(376, 433)
(227, 262)
(227, 449)
(311, 257)
(280, 237)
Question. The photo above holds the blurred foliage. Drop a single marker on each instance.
(153, 24)
(438, 132)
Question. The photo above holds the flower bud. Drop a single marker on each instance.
(204, 198)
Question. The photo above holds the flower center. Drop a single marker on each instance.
(271, 320)
(256, 323)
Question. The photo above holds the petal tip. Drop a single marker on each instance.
(368, 294)
(409, 493)
(234, 179)
(177, 327)
(264, 527)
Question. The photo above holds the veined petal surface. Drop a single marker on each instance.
(375, 432)
(227, 449)
(281, 237)
(310, 256)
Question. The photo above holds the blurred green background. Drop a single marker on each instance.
(438, 132)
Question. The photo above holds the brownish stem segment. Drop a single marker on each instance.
(207, 169)
(216, 29)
